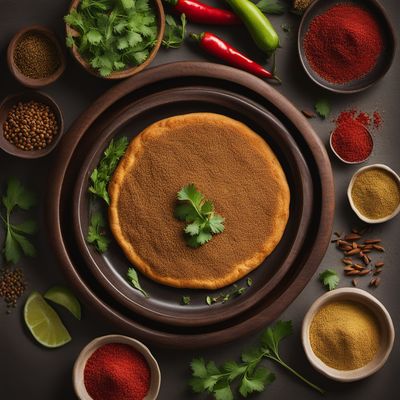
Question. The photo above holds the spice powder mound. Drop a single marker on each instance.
(232, 166)
(345, 335)
(375, 193)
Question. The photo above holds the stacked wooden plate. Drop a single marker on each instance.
(127, 109)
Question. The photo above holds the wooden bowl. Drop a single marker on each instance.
(19, 76)
(350, 197)
(89, 349)
(385, 323)
(384, 61)
(7, 105)
(159, 10)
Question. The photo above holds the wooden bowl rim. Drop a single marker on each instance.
(8, 147)
(159, 10)
(19, 76)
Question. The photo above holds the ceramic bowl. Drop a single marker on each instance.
(342, 159)
(384, 61)
(19, 76)
(350, 187)
(90, 348)
(6, 106)
(159, 11)
(386, 326)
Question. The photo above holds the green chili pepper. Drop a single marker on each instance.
(258, 25)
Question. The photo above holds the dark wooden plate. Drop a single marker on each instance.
(164, 303)
(384, 61)
(59, 205)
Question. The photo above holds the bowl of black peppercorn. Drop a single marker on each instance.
(31, 125)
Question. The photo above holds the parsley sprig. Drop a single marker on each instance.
(207, 377)
(101, 175)
(97, 232)
(174, 34)
(113, 34)
(200, 215)
(16, 243)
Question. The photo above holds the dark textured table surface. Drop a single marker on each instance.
(28, 371)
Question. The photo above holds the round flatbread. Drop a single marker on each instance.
(230, 165)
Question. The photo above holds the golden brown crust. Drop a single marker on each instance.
(127, 165)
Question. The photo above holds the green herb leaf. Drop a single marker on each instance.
(16, 244)
(102, 174)
(199, 213)
(271, 7)
(329, 278)
(273, 335)
(96, 233)
(286, 28)
(256, 382)
(134, 281)
(174, 34)
(186, 300)
(323, 108)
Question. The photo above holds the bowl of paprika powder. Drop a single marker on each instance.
(116, 367)
(346, 46)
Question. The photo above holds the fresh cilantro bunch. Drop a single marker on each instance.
(102, 174)
(250, 377)
(202, 220)
(97, 232)
(113, 34)
(16, 243)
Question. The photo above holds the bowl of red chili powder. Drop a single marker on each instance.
(346, 46)
(116, 367)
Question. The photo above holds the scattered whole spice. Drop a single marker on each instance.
(12, 285)
(30, 125)
(36, 56)
(376, 194)
(345, 335)
(344, 43)
(301, 5)
(351, 139)
(117, 371)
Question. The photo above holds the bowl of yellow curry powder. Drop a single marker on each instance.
(347, 334)
(374, 193)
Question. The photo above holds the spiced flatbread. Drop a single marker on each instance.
(229, 164)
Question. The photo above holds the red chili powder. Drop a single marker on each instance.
(377, 119)
(117, 371)
(343, 44)
(351, 139)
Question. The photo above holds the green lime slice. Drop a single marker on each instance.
(44, 323)
(64, 297)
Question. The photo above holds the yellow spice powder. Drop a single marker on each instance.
(345, 335)
(375, 193)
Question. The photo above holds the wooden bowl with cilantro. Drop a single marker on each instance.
(114, 39)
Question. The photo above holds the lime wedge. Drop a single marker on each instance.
(44, 323)
(64, 297)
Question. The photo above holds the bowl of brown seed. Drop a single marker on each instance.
(35, 57)
(31, 125)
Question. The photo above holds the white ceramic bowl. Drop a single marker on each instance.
(350, 187)
(89, 349)
(385, 323)
(342, 159)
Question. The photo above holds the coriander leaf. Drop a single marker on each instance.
(329, 278)
(209, 300)
(96, 232)
(12, 251)
(323, 108)
(193, 228)
(174, 34)
(203, 237)
(234, 369)
(127, 3)
(249, 281)
(17, 195)
(198, 367)
(251, 355)
(191, 194)
(223, 393)
(102, 174)
(134, 281)
(185, 212)
(27, 248)
(69, 41)
(256, 382)
(28, 226)
(271, 7)
(197, 385)
(185, 300)
(216, 223)
(273, 335)
(94, 37)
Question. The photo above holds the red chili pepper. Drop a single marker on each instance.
(204, 14)
(221, 49)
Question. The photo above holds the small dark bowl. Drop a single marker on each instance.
(384, 61)
(19, 76)
(6, 106)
